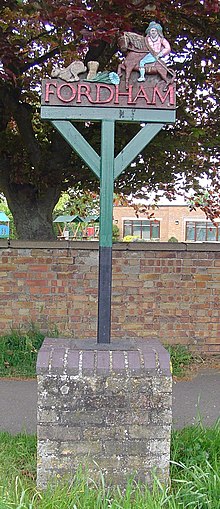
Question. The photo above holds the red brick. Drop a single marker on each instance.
(171, 295)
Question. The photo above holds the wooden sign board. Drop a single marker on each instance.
(87, 100)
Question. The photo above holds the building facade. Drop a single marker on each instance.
(169, 223)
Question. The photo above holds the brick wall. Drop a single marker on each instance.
(165, 291)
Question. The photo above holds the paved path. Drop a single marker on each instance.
(198, 397)
(18, 402)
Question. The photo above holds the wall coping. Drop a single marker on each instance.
(118, 246)
(131, 356)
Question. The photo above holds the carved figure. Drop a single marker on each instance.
(157, 47)
(93, 68)
(69, 73)
(144, 53)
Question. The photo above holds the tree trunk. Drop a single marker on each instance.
(32, 211)
(30, 177)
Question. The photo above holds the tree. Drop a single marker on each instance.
(78, 202)
(36, 164)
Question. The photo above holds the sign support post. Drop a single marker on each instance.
(105, 232)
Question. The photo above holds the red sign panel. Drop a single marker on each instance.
(56, 92)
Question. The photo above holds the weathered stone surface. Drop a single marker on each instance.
(104, 408)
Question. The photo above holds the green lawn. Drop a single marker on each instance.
(195, 478)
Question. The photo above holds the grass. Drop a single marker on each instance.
(195, 468)
(195, 481)
(18, 353)
(181, 358)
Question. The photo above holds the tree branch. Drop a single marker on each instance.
(22, 114)
(41, 59)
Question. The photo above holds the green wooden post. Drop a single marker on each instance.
(105, 234)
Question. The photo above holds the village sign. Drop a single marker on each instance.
(142, 90)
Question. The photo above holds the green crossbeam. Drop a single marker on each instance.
(89, 155)
(135, 146)
(79, 144)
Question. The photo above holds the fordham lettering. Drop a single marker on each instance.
(169, 92)
(123, 94)
(85, 93)
(141, 94)
(71, 93)
(49, 92)
(101, 88)
(88, 94)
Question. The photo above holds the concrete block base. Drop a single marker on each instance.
(104, 407)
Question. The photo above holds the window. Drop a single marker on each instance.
(199, 231)
(144, 229)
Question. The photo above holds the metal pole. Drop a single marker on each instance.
(105, 233)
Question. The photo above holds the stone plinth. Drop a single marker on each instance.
(104, 407)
